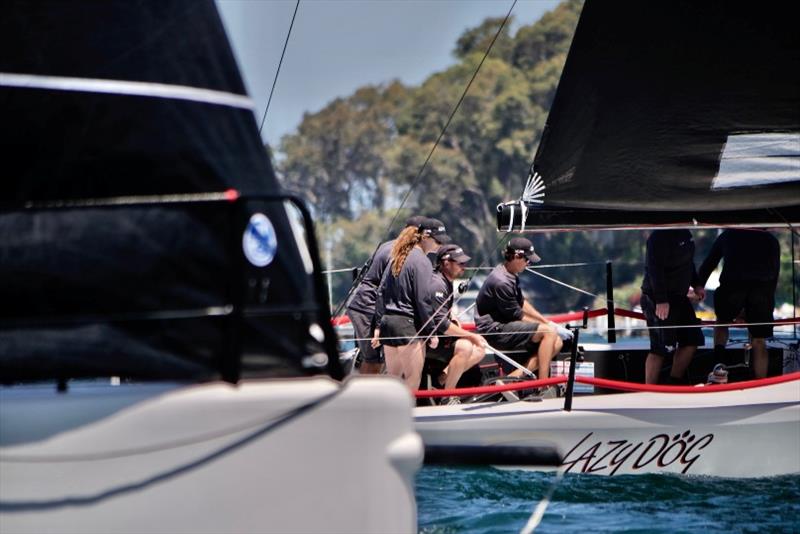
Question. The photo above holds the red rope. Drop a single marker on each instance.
(632, 386)
(480, 390)
(578, 316)
(608, 384)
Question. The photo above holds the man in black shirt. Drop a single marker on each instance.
(511, 322)
(455, 347)
(362, 308)
(668, 273)
(751, 263)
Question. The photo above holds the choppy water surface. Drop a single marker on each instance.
(487, 500)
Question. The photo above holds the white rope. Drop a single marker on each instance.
(512, 362)
(538, 512)
(600, 331)
(559, 282)
(545, 266)
(490, 268)
(465, 310)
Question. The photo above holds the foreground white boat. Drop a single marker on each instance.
(742, 433)
(146, 241)
(303, 455)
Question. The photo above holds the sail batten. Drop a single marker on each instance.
(135, 176)
(126, 87)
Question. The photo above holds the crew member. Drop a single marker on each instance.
(668, 273)
(403, 308)
(362, 307)
(751, 263)
(510, 321)
(457, 348)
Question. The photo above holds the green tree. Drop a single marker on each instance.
(336, 160)
(479, 38)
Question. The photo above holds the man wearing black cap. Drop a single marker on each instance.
(512, 323)
(436, 230)
(362, 307)
(456, 347)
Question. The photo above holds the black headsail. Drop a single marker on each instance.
(142, 231)
(672, 113)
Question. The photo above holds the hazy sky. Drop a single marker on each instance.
(339, 45)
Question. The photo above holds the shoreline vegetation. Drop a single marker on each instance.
(354, 160)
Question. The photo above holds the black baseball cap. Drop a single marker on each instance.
(435, 228)
(415, 220)
(520, 245)
(451, 252)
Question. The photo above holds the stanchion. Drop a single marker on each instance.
(576, 330)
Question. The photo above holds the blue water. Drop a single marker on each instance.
(487, 500)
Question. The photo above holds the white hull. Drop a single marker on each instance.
(742, 433)
(209, 458)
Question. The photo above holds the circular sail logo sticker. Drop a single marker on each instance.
(259, 241)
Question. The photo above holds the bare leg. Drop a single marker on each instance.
(760, 358)
(721, 335)
(549, 345)
(532, 365)
(394, 363)
(413, 359)
(465, 356)
(652, 367)
(681, 361)
(370, 368)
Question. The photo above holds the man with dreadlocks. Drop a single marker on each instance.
(362, 308)
(456, 348)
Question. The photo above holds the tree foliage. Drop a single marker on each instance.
(356, 159)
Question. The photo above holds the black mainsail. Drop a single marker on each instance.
(672, 113)
(143, 233)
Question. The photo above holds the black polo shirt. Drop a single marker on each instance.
(499, 299)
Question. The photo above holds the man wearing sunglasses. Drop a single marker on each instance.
(510, 322)
(455, 347)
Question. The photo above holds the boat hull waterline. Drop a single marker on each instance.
(741, 433)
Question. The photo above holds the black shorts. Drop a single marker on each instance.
(514, 340)
(513, 336)
(444, 350)
(362, 329)
(757, 299)
(664, 341)
(399, 330)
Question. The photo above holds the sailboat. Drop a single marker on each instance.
(667, 114)
(166, 355)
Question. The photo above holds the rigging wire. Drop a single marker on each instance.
(450, 118)
(546, 266)
(357, 282)
(616, 329)
(280, 62)
(559, 282)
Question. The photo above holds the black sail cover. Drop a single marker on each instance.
(135, 239)
(672, 113)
